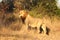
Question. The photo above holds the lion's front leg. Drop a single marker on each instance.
(27, 24)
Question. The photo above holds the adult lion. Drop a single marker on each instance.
(33, 23)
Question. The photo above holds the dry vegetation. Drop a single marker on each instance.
(12, 28)
(14, 32)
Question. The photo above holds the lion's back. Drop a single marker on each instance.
(33, 21)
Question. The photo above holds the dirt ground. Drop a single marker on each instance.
(23, 34)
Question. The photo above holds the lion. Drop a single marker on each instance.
(23, 14)
(33, 23)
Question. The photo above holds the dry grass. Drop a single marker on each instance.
(17, 32)
(11, 28)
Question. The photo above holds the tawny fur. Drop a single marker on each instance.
(33, 22)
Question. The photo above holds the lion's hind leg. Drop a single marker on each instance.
(44, 29)
(47, 30)
(41, 30)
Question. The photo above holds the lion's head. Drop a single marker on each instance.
(23, 14)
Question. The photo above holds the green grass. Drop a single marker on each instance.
(41, 12)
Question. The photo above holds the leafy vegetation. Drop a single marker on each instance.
(46, 7)
(37, 8)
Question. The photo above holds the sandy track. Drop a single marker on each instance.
(28, 35)
(22, 34)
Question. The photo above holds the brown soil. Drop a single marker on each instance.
(23, 34)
